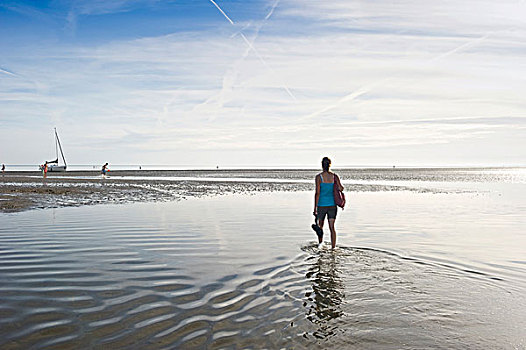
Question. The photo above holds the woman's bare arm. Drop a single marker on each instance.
(317, 194)
(339, 182)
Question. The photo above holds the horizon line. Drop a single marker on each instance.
(253, 166)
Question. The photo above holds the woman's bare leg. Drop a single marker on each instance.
(320, 224)
(333, 232)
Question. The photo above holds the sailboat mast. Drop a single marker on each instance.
(56, 144)
(60, 146)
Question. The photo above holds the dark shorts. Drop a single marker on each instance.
(327, 211)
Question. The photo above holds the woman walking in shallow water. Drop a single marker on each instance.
(324, 204)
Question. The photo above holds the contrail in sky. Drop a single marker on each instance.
(463, 46)
(224, 14)
(8, 72)
(272, 10)
(252, 46)
(355, 94)
(368, 87)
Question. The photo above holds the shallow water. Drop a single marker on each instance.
(412, 270)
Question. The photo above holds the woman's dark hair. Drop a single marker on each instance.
(325, 163)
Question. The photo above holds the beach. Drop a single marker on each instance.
(185, 151)
(23, 190)
(425, 259)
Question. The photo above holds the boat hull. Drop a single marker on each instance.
(56, 168)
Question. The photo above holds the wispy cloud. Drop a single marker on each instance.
(369, 78)
(370, 86)
(231, 76)
(251, 46)
(25, 10)
(98, 7)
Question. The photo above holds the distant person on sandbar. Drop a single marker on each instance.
(3, 169)
(324, 204)
(44, 169)
(104, 169)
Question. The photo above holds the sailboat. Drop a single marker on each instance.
(54, 165)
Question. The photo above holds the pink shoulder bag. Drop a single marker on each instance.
(339, 197)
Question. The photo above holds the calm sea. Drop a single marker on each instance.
(426, 259)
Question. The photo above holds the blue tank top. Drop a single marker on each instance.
(326, 194)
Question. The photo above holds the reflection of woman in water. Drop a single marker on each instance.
(324, 204)
(327, 294)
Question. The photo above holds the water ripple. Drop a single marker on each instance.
(119, 288)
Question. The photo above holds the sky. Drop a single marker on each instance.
(264, 83)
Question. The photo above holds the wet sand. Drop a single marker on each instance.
(29, 190)
(21, 191)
